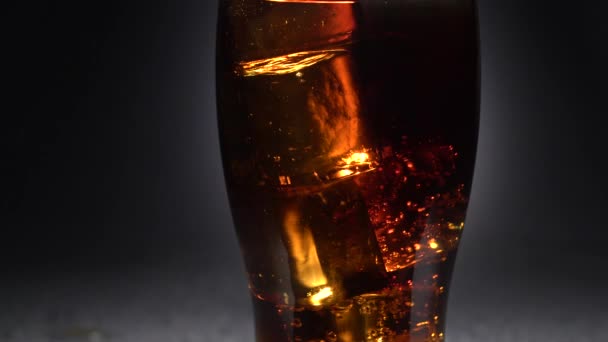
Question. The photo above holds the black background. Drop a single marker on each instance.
(114, 218)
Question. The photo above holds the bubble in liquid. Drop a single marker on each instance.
(387, 332)
(365, 310)
(296, 323)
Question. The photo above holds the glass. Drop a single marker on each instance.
(348, 132)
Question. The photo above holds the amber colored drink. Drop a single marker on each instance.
(348, 133)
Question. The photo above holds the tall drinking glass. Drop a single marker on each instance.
(348, 132)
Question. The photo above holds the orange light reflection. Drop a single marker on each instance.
(285, 64)
(356, 158)
(303, 250)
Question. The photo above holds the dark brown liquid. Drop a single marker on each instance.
(348, 134)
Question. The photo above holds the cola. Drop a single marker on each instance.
(348, 133)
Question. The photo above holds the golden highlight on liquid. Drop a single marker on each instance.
(286, 64)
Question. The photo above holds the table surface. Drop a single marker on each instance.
(167, 306)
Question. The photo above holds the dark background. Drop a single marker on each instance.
(114, 223)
